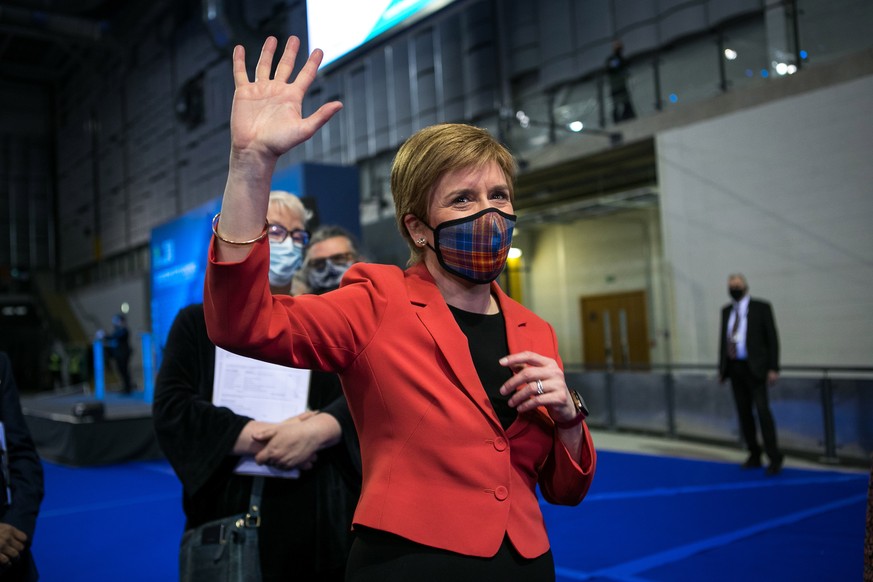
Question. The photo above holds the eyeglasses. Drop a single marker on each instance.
(337, 259)
(279, 233)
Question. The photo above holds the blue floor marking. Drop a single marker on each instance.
(107, 505)
(161, 468)
(742, 485)
(626, 572)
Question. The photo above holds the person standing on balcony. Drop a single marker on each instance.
(118, 343)
(616, 70)
(749, 357)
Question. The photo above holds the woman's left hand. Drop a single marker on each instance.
(290, 444)
(537, 381)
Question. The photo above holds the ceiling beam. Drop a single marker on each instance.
(614, 170)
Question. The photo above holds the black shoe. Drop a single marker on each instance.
(775, 466)
(753, 462)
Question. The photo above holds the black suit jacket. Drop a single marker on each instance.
(25, 475)
(762, 340)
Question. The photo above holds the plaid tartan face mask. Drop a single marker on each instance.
(475, 247)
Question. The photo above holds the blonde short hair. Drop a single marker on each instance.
(431, 152)
(292, 203)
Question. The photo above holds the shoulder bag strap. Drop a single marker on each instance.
(253, 517)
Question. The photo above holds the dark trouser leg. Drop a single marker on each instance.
(617, 105)
(123, 366)
(765, 418)
(628, 110)
(621, 106)
(741, 383)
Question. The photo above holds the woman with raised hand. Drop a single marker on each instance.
(457, 391)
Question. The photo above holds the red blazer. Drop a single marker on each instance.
(438, 468)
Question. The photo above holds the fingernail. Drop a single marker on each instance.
(504, 361)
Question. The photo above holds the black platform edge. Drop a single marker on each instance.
(124, 433)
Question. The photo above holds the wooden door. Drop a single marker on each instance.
(615, 330)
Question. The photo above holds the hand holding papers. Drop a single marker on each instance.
(263, 391)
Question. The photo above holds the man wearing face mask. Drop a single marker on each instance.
(331, 252)
(304, 531)
(749, 357)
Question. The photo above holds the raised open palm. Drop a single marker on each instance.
(267, 114)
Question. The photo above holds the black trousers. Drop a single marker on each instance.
(379, 556)
(122, 366)
(622, 108)
(751, 393)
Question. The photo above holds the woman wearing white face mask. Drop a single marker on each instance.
(457, 391)
(286, 231)
(305, 522)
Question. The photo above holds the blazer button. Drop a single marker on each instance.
(500, 444)
(501, 493)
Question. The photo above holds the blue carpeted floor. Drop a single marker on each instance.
(109, 524)
(652, 519)
(646, 518)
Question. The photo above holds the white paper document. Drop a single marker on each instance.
(262, 391)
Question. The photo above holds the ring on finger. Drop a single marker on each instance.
(540, 387)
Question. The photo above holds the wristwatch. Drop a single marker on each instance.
(581, 412)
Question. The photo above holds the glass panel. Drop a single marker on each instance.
(796, 406)
(745, 54)
(689, 73)
(640, 401)
(830, 29)
(642, 88)
(704, 408)
(592, 387)
(853, 418)
(528, 124)
(577, 103)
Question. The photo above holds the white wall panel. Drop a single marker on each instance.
(781, 192)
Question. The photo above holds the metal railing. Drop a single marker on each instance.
(758, 46)
(821, 412)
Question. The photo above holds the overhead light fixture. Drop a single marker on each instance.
(785, 68)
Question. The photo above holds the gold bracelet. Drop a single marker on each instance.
(233, 242)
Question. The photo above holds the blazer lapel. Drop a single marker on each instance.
(434, 314)
(518, 339)
(516, 322)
